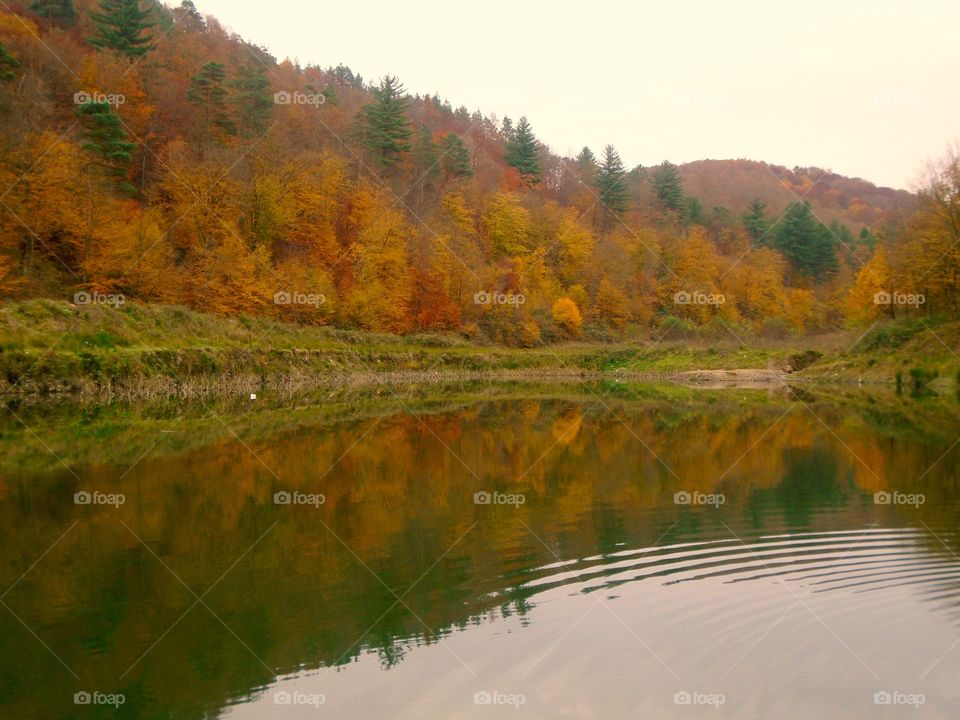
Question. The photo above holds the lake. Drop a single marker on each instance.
(518, 551)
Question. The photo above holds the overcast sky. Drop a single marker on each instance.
(868, 89)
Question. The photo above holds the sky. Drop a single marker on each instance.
(866, 89)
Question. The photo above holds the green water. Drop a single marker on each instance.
(388, 588)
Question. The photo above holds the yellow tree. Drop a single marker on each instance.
(874, 278)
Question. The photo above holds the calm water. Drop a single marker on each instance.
(585, 589)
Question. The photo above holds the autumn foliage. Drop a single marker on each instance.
(153, 154)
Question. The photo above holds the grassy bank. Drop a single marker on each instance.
(914, 353)
(51, 347)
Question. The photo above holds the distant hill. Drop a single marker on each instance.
(735, 183)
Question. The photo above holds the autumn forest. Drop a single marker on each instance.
(149, 155)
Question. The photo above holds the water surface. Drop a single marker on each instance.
(594, 593)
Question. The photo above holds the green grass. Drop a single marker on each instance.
(52, 346)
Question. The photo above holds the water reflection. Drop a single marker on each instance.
(198, 592)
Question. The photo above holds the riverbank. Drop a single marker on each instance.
(52, 348)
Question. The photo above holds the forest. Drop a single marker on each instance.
(150, 155)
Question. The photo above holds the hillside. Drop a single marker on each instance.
(148, 154)
(851, 201)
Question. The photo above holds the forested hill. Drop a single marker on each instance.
(148, 154)
(735, 183)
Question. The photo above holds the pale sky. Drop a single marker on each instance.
(867, 89)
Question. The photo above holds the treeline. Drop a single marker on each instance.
(149, 154)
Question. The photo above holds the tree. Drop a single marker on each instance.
(385, 126)
(8, 64)
(611, 306)
(874, 277)
(61, 10)
(190, 17)
(105, 138)
(611, 187)
(426, 156)
(507, 224)
(586, 163)
(254, 100)
(207, 91)
(567, 317)
(122, 25)
(668, 187)
(755, 221)
(693, 212)
(456, 157)
(806, 243)
(522, 153)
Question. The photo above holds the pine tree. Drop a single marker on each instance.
(693, 212)
(61, 10)
(755, 221)
(586, 163)
(8, 64)
(208, 92)
(669, 187)
(385, 127)
(105, 138)
(190, 17)
(612, 187)
(456, 157)
(806, 243)
(122, 25)
(254, 100)
(426, 156)
(522, 153)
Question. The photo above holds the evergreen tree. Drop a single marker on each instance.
(8, 64)
(806, 243)
(506, 127)
(208, 92)
(522, 153)
(755, 221)
(190, 17)
(867, 237)
(61, 10)
(105, 138)
(586, 163)
(254, 100)
(385, 126)
(611, 187)
(456, 157)
(693, 212)
(669, 187)
(426, 158)
(122, 25)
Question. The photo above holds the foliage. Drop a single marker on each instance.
(123, 25)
